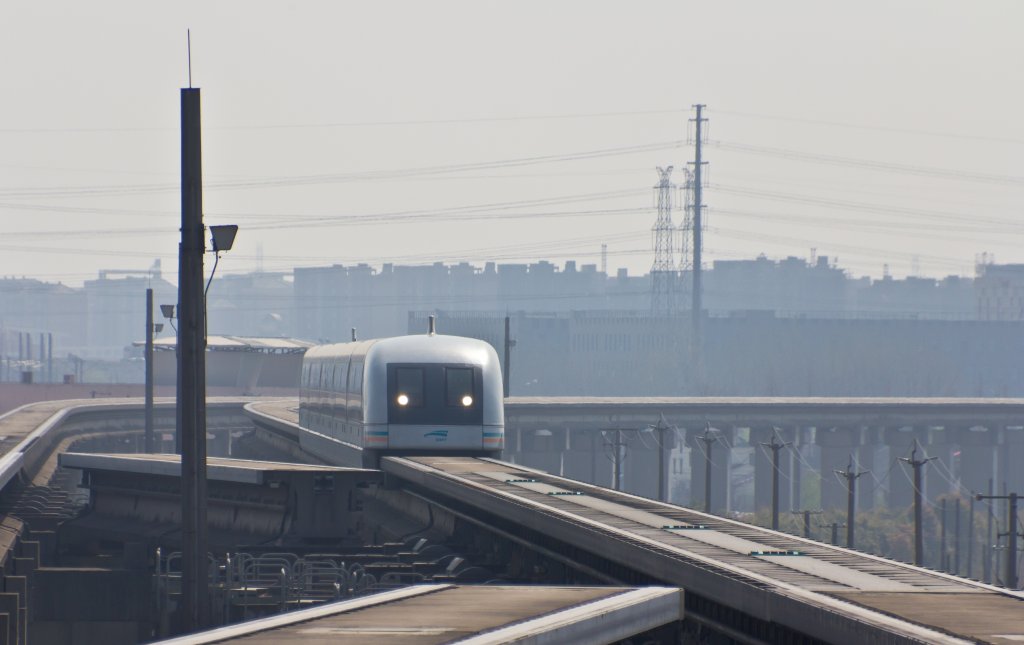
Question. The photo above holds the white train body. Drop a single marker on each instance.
(404, 395)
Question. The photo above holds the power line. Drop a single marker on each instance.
(874, 128)
(335, 178)
(351, 124)
(866, 164)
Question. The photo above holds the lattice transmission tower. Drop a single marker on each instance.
(664, 273)
(685, 231)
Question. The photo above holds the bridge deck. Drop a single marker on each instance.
(436, 614)
(826, 592)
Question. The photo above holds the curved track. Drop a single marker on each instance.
(777, 586)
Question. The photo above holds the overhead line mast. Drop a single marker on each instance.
(698, 224)
(663, 272)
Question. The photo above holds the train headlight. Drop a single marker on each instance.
(403, 400)
(467, 401)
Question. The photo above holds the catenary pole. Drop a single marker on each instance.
(191, 396)
(708, 440)
(149, 371)
(1012, 535)
(851, 476)
(775, 448)
(917, 465)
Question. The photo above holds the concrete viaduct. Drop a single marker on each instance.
(976, 439)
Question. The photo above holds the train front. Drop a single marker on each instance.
(434, 394)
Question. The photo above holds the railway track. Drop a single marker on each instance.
(780, 587)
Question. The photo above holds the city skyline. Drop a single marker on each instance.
(876, 134)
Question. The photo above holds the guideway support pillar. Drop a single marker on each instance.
(1011, 457)
(977, 457)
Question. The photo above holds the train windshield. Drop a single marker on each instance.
(458, 385)
(435, 394)
(409, 383)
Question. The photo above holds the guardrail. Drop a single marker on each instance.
(80, 418)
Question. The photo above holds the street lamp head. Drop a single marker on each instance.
(223, 237)
(158, 327)
(167, 311)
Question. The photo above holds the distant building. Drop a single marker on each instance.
(334, 299)
(115, 310)
(31, 307)
(790, 286)
(999, 292)
(747, 354)
(598, 318)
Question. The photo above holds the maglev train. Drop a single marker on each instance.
(408, 395)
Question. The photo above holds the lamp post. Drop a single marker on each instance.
(191, 355)
(149, 370)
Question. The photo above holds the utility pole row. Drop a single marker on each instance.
(775, 448)
(1012, 534)
(917, 465)
(851, 476)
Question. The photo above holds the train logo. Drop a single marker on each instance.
(438, 435)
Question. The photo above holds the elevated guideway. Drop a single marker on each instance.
(491, 615)
(754, 584)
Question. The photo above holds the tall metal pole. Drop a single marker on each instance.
(698, 207)
(149, 371)
(618, 459)
(1012, 534)
(835, 526)
(851, 476)
(709, 440)
(508, 356)
(956, 538)
(663, 450)
(191, 403)
(807, 520)
(1011, 565)
(987, 564)
(970, 541)
(918, 465)
(775, 447)
(943, 556)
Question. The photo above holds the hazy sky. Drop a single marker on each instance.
(409, 132)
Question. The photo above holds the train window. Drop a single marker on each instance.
(409, 385)
(458, 387)
(341, 382)
(356, 378)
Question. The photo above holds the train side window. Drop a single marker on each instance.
(342, 377)
(356, 379)
(458, 387)
(409, 385)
